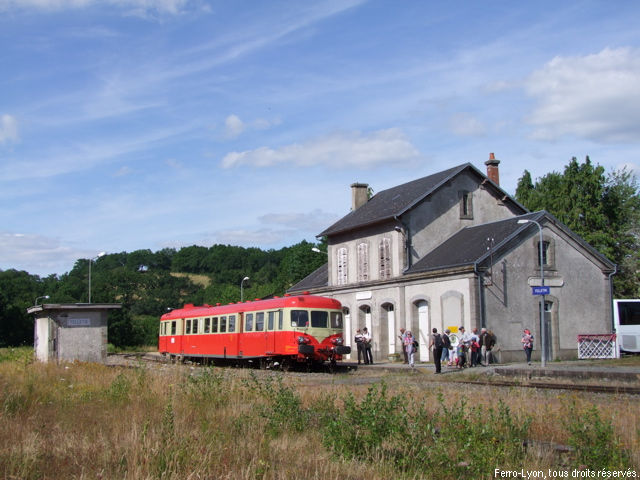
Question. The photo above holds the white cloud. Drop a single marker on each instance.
(337, 150)
(233, 126)
(8, 129)
(466, 125)
(596, 97)
(136, 7)
(123, 171)
(314, 221)
(246, 237)
(37, 254)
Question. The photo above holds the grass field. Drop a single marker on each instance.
(179, 422)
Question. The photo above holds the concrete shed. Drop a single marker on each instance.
(71, 331)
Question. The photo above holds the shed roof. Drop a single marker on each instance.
(73, 306)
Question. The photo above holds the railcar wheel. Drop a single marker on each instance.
(285, 365)
(333, 366)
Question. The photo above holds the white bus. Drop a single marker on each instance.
(626, 318)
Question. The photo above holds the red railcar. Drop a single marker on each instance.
(282, 331)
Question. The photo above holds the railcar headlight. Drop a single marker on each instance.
(302, 340)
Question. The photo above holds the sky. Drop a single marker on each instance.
(141, 124)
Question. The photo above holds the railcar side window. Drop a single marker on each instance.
(207, 325)
(214, 325)
(173, 327)
(319, 319)
(188, 329)
(280, 317)
(270, 320)
(336, 319)
(259, 321)
(232, 323)
(299, 318)
(223, 324)
(195, 326)
(248, 322)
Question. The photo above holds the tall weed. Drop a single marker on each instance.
(594, 440)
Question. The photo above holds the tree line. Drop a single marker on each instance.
(604, 209)
(148, 283)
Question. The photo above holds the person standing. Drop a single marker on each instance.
(475, 347)
(408, 347)
(527, 344)
(368, 357)
(463, 347)
(436, 345)
(403, 334)
(489, 343)
(360, 345)
(446, 346)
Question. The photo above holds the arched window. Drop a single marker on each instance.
(384, 252)
(363, 262)
(342, 264)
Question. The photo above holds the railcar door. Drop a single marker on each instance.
(270, 334)
(241, 344)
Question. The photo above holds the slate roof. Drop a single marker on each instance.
(316, 279)
(395, 201)
(470, 245)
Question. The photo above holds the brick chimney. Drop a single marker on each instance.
(358, 195)
(492, 169)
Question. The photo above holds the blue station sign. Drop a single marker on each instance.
(541, 290)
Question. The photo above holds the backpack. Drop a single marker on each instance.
(415, 345)
(446, 342)
(438, 341)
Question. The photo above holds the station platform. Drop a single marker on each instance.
(600, 370)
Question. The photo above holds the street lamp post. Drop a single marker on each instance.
(46, 297)
(101, 254)
(542, 297)
(241, 288)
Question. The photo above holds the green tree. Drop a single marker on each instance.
(603, 209)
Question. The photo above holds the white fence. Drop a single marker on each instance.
(598, 346)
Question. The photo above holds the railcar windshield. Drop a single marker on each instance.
(336, 319)
(299, 318)
(316, 319)
(319, 319)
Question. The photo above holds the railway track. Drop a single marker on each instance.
(365, 377)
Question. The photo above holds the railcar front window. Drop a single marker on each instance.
(299, 318)
(319, 319)
(336, 319)
(232, 323)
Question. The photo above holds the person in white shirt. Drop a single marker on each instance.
(368, 357)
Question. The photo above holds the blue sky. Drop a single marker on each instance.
(134, 124)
